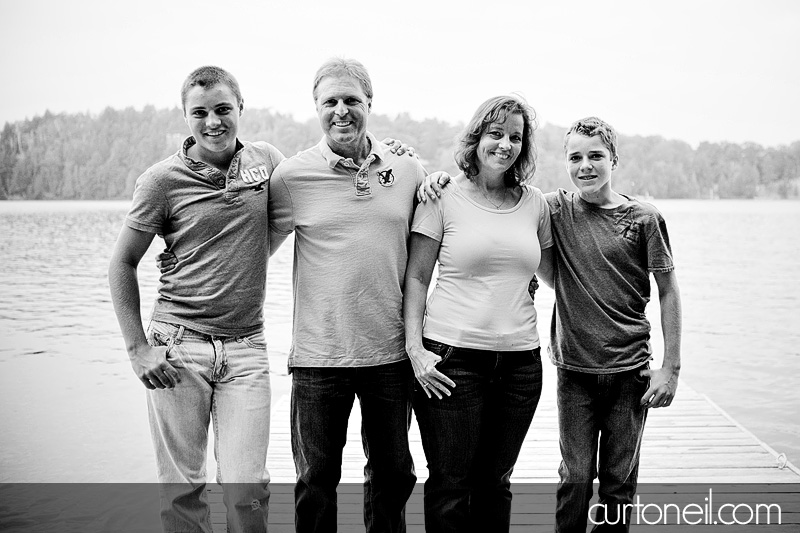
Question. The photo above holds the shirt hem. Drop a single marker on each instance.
(586, 370)
(328, 362)
(205, 330)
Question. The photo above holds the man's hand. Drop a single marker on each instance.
(152, 368)
(399, 147)
(663, 383)
(166, 261)
(432, 186)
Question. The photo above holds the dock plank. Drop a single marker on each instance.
(692, 442)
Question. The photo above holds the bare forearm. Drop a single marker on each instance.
(414, 312)
(671, 326)
(546, 266)
(124, 285)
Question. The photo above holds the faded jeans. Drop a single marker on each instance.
(227, 379)
(321, 402)
(600, 422)
(473, 437)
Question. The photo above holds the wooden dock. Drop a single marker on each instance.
(689, 448)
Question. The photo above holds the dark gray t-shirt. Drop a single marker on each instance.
(216, 224)
(603, 258)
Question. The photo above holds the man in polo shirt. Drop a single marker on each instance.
(350, 203)
(204, 352)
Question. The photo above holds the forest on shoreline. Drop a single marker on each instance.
(98, 157)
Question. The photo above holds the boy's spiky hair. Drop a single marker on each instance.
(591, 126)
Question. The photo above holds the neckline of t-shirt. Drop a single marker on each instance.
(460, 191)
(621, 207)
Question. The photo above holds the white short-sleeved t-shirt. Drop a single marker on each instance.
(486, 261)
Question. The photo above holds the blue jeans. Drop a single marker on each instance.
(321, 402)
(227, 379)
(473, 437)
(600, 422)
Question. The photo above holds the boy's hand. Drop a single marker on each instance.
(432, 186)
(399, 147)
(532, 287)
(166, 261)
(663, 383)
(152, 368)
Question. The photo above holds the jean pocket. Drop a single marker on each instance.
(257, 341)
(439, 348)
(161, 334)
(639, 378)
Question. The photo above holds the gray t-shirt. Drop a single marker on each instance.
(350, 252)
(603, 258)
(217, 226)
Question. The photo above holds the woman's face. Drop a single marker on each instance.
(500, 145)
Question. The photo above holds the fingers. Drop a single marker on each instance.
(433, 191)
(655, 398)
(421, 196)
(162, 375)
(161, 378)
(396, 147)
(166, 261)
(436, 384)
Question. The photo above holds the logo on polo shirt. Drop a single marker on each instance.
(254, 174)
(385, 177)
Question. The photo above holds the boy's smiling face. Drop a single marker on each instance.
(212, 114)
(589, 165)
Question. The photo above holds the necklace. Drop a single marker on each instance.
(496, 206)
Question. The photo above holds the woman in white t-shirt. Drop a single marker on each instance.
(474, 344)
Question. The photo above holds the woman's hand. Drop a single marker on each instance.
(431, 380)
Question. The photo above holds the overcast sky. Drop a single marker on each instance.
(695, 70)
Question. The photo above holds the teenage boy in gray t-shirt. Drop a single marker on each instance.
(606, 245)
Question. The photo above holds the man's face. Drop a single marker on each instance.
(589, 163)
(343, 109)
(213, 117)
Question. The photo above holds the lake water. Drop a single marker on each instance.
(72, 410)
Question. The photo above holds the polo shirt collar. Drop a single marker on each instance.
(333, 159)
(193, 163)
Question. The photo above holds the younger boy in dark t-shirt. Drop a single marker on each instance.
(606, 244)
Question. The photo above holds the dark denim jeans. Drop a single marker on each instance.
(321, 402)
(598, 413)
(473, 437)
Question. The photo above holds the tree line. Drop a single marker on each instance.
(85, 157)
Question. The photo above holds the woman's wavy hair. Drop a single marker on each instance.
(493, 110)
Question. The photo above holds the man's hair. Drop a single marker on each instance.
(207, 77)
(493, 110)
(339, 66)
(591, 126)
